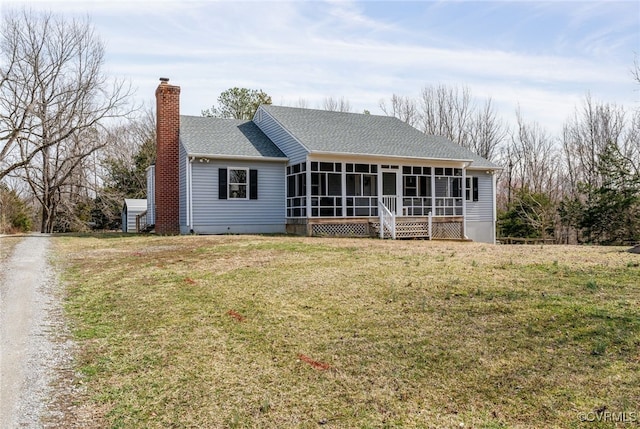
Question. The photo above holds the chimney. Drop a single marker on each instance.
(167, 162)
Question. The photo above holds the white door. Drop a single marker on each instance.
(390, 188)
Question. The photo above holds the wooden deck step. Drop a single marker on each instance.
(405, 229)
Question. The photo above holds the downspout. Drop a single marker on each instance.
(189, 195)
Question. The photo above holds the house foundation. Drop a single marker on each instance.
(442, 228)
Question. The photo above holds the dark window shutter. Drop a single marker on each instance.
(222, 183)
(253, 184)
(475, 189)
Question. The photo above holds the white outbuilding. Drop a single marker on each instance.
(131, 209)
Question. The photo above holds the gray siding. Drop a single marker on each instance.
(482, 232)
(182, 181)
(481, 210)
(278, 135)
(214, 216)
(480, 223)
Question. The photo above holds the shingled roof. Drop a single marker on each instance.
(225, 137)
(320, 131)
(353, 133)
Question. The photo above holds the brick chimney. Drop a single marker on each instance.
(167, 163)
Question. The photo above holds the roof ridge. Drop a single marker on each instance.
(214, 118)
(325, 111)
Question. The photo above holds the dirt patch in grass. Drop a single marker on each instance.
(352, 332)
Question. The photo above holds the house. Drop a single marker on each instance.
(314, 172)
(130, 210)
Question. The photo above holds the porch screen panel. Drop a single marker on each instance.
(326, 189)
(448, 188)
(297, 190)
(362, 190)
(416, 192)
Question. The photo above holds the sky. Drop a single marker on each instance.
(540, 57)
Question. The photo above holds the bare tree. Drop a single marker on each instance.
(453, 113)
(486, 132)
(54, 101)
(336, 105)
(447, 111)
(403, 108)
(534, 159)
(630, 145)
(302, 103)
(585, 138)
(123, 163)
(56, 176)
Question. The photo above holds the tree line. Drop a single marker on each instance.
(73, 146)
(57, 108)
(582, 186)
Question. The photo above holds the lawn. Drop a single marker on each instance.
(278, 332)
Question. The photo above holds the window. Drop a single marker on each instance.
(471, 188)
(237, 184)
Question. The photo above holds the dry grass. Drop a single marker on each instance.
(272, 332)
(7, 244)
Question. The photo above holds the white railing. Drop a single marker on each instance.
(391, 203)
(387, 219)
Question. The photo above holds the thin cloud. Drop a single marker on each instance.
(310, 50)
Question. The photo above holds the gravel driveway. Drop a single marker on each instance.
(36, 380)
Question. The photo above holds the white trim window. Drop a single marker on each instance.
(471, 188)
(238, 182)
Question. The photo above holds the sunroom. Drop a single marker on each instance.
(387, 198)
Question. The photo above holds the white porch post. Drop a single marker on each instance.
(379, 184)
(399, 193)
(433, 191)
(307, 172)
(343, 191)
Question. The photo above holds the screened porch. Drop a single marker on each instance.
(344, 198)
